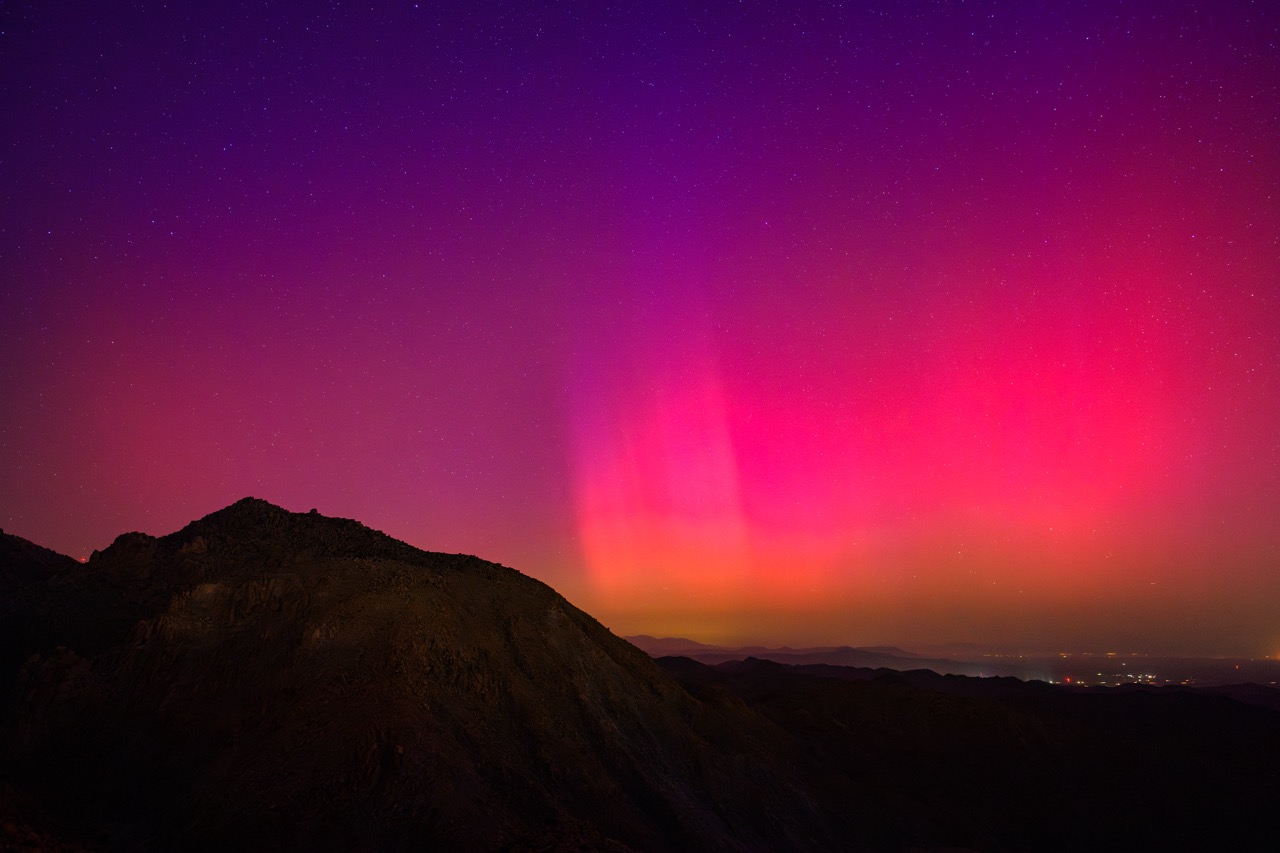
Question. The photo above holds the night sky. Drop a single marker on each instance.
(896, 322)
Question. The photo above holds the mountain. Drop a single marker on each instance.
(23, 562)
(1082, 668)
(873, 657)
(268, 679)
(671, 646)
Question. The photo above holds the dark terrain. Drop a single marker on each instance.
(879, 657)
(1079, 668)
(263, 679)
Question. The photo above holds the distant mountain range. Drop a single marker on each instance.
(270, 680)
(874, 657)
(1082, 669)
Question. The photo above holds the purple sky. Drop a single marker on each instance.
(779, 322)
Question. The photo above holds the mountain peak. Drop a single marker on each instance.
(248, 510)
(259, 529)
(270, 679)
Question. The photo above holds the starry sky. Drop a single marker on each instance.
(779, 322)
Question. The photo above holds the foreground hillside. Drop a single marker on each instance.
(1002, 764)
(263, 679)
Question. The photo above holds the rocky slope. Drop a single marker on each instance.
(1000, 764)
(267, 679)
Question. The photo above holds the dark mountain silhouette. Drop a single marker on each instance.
(874, 657)
(23, 562)
(1003, 764)
(1133, 669)
(263, 679)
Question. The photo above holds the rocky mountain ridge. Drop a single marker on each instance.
(263, 678)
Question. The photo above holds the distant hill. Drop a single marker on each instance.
(270, 680)
(874, 657)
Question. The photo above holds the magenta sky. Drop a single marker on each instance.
(781, 322)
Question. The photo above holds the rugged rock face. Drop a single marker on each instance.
(267, 679)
